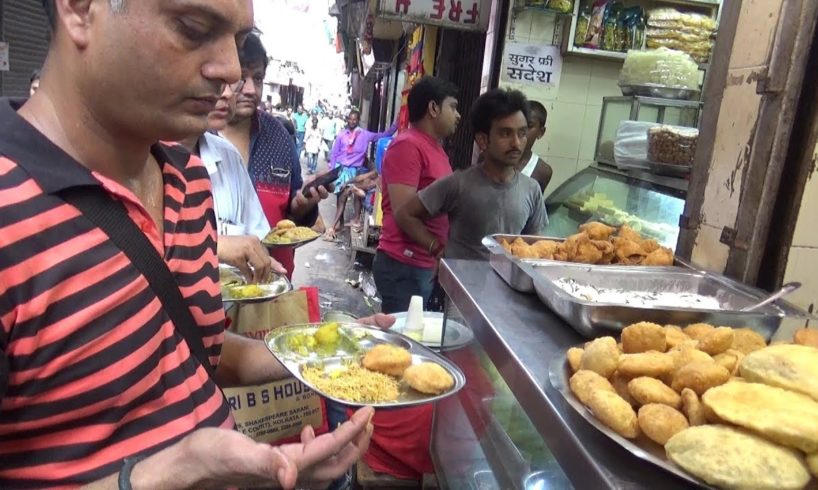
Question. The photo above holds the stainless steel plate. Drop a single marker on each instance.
(229, 278)
(593, 319)
(457, 334)
(356, 340)
(642, 447)
(297, 244)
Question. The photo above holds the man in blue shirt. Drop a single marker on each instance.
(300, 118)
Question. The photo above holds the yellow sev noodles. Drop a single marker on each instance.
(355, 384)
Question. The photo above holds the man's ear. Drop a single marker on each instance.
(76, 18)
(482, 140)
(433, 109)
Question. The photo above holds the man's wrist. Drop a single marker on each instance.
(168, 468)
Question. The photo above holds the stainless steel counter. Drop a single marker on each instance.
(520, 336)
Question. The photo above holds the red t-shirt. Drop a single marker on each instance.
(413, 158)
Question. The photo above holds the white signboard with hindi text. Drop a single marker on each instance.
(532, 64)
(469, 15)
(4, 56)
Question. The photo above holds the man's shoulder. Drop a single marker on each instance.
(225, 148)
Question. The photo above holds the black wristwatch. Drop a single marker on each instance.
(125, 472)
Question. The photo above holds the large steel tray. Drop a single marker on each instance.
(364, 338)
(642, 447)
(593, 318)
(510, 269)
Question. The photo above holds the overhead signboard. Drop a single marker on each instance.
(470, 15)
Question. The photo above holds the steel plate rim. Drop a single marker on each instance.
(291, 244)
(415, 348)
(261, 299)
(559, 380)
(462, 330)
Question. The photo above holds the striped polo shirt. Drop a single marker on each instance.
(91, 368)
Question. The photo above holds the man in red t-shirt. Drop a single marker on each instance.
(413, 161)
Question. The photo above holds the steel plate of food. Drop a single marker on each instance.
(286, 234)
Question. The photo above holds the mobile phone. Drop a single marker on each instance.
(325, 180)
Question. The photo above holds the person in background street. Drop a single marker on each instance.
(349, 151)
(98, 386)
(34, 82)
(290, 118)
(531, 164)
(269, 152)
(240, 221)
(493, 197)
(414, 160)
(312, 144)
(300, 120)
(359, 188)
(328, 132)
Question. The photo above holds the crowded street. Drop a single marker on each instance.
(408, 244)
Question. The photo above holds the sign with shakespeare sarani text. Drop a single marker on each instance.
(532, 64)
(472, 15)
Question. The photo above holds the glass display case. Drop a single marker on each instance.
(634, 108)
(616, 198)
(482, 438)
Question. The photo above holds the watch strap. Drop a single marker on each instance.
(125, 472)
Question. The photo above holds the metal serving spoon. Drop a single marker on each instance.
(785, 289)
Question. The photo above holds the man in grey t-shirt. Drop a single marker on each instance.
(492, 197)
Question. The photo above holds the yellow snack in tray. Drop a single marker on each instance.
(614, 412)
(647, 390)
(780, 415)
(620, 384)
(716, 341)
(700, 376)
(584, 383)
(698, 330)
(674, 336)
(730, 359)
(812, 463)
(601, 356)
(653, 364)
(794, 367)
(643, 337)
(746, 340)
(692, 407)
(660, 422)
(574, 356)
(732, 458)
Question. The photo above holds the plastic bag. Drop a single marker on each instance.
(583, 22)
(594, 36)
(631, 145)
(565, 6)
(669, 17)
(673, 145)
(662, 66)
(610, 27)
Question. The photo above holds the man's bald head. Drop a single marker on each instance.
(51, 9)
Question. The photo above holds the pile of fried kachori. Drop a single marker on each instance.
(728, 408)
(596, 244)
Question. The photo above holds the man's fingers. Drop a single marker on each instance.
(327, 445)
(277, 267)
(323, 192)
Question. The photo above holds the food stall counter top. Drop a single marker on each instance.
(521, 337)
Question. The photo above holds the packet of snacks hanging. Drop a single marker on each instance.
(689, 32)
(275, 412)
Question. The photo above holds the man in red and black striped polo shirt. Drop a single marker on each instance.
(93, 374)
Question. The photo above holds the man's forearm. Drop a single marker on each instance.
(160, 470)
(245, 362)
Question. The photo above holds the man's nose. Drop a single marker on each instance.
(224, 65)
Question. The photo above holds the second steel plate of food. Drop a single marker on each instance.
(714, 405)
(235, 289)
(287, 235)
(359, 365)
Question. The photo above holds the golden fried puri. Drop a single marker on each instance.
(653, 364)
(597, 231)
(698, 330)
(545, 248)
(642, 337)
(647, 390)
(650, 245)
(746, 340)
(780, 415)
(285, 224)
(661, 257)
(731, 458)
(601, 356)
(661, 422)
(812, 463)
(628, 252)
(716, 341)
(629, 233)
(700, 376)
(692, 408)
(587, 253)
(806, 336)
(674, 336)
(584, 383)
(387, 359)
(574, 356)
(521, 249)
(614, 412)
(794, 367)
(429, 378)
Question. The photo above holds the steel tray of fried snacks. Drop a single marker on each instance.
(643, 448)
(355, 340)
(232, 282)
(509, 267)
(592, 318)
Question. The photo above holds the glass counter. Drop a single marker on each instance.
(616, 198)
(634, 108)
(482, 438)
